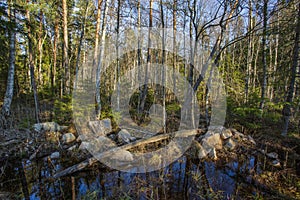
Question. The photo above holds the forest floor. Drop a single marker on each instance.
(21, 142)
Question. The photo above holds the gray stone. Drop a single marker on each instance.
(230, 144)
(84, 146)
(213, 154)
(212, 141)
(49, 126)
(272, 155)
(72, 148)
(100, 128)
(125, 137)
(208, 133)
(216, 129)
(55, 155)
(98, 145)
(68, 138)
(234, 131)
(276, 163)
(226, 134)
(122, 156)
(239, 136)
(198, 150)
(83, 137)
(202, 153)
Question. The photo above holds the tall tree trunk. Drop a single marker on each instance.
(215, 53)
(270, 85)
(139, 54)
(118, 60)
(249, 53)
(31, 64)
(145, 89)
(5, 111)
(286, 112)
(163, 66)
(80, 44)
(174, 43)
(53, 70)
(275, 57)
(67, 77)
(264, 55)
(40, 43)
(98, 73)
(255, 67)
(97, 32)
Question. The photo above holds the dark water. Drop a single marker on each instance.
(184, 179)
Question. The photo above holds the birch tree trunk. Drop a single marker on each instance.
(118, 60)
(163, 66)
(98, 72)
(174, 43)
(275, 58)
(55, 41)
(5, 112)
(139, 54)
(264, 55)
(145, 89)
(67, 77)
(40, 47)
(97, 32)
(249, 53)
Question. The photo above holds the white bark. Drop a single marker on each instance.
(98, 73)
(11, 69)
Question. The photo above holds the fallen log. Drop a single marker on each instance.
(92, 160)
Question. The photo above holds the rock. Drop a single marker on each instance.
(100, 128)
(239, 136)
(72, 148)
(234, 131)
(55, 155)
(49, 126)
(208, 134)
(197, 151)
(216, 129)
(68, 138)
(211, 141)
(84, 146)
(230, 144)
(202, 153)
(125, 137)
(251, 140)
(213, 154)
(276, 163)
(272, 155)
(98, 145)
(226, 134)
(122, 156)
(83, 137)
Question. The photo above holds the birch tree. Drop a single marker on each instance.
(66, 48)
(264, 55)
(101, 54)
(5, 112)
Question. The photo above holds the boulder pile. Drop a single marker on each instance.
(216, 139)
